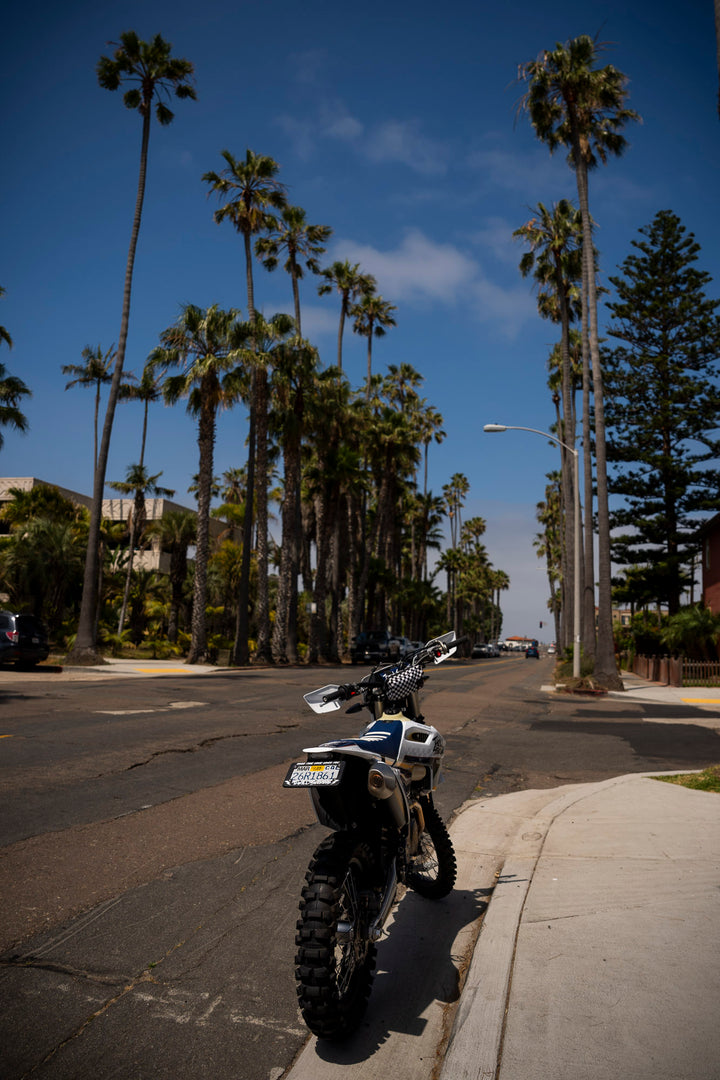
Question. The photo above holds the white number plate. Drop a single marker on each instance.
(314, 774)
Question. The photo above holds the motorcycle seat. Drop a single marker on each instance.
(382, 737)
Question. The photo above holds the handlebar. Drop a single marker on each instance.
(375, 679)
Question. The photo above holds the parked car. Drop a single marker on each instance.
(23, 639)
(485, 648)
(407, 646)
(532, 650)
(373, 646)
(552, 649)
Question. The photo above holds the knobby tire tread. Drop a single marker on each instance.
(439, 885)
(333, 1000)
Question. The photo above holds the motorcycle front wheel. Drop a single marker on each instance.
(433, 869)
(335, 961)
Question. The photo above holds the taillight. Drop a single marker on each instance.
(13, 636)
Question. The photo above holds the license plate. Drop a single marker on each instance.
(314, 774)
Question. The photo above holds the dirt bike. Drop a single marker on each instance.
(375, 791)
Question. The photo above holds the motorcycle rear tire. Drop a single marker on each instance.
(433, 871)
(335, 970)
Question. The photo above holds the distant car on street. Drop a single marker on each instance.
(374, 646)
(23, 639)
(484, 648)
(532, 650)
(552, 649)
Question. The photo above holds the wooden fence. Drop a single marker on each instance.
(677, 670)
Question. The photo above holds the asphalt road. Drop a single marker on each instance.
(152, 861)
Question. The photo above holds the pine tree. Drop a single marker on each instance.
(662, 404)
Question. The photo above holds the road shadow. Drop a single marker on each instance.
(665, 745)
(419, 963)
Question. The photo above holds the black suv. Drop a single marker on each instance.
(23, 640)
(372, 646)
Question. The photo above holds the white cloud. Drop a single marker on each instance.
(336, 122)
(421, 270)
(301, 134)
(496, 235)
(308, 66)
(530, 171)
(395, 141)
(318, 320)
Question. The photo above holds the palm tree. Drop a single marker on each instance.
(41, 566)
(4, 335)
(175, 532)
(96, 371)
(251, 192)
(500, 581)
(152, 74)
(303, 244)
(431, 515)
(372, 316)
(12, 390)
(266, 338)
(548, 545)
(139, 484)
(205, 345)
(294, 366)
(554, 238)
(574, 104)
(431, 428)
(351, 283)
(455, 492)
(233, 492)
(147, 390)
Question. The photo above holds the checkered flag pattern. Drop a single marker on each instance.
(401, 683)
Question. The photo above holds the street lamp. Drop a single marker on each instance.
(576, 455)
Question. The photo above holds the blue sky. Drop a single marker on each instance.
(396, 124)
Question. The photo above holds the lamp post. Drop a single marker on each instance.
(576, 576)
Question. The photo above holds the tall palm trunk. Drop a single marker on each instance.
(137, 525)
(588, 604)
(85, 649)
(568, 471)
(341, 330)
(206, 441)
(284, 642)
(241, 649)
(95, 427)
(323, 532)
(135, 531)
(296, 300)
(369, 362)
(605, 662)
(264, 652)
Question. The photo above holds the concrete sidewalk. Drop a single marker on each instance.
(111, 669)
(598, 955)
(599, 952)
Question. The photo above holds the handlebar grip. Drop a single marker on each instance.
(343, 692)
